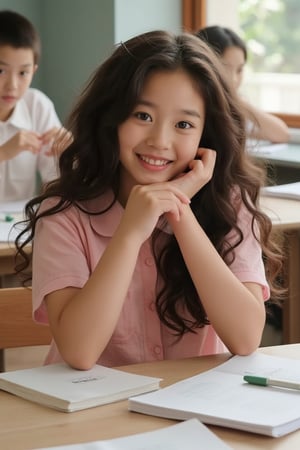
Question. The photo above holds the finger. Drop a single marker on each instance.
(34, 144)
(206, 153)
(162, 189)
(49, 133)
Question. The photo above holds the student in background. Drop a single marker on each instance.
(233, 53)
(28, 121)
(149, 245)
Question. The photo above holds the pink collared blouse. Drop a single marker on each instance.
(67, 248)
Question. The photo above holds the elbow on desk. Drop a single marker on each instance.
(79, 360)
(281, 135)
(244, 349)
(80, 364)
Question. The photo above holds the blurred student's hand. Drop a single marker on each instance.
(60, 138)
(24, 140)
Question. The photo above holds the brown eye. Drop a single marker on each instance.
(184, 125)
(143, 116)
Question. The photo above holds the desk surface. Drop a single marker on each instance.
(284, 213)
(25, 425)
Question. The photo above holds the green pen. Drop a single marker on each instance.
(262, 381)
(6, 218)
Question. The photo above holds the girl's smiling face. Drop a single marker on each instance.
(161, 136)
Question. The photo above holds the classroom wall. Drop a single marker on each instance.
(77, 35)
(137, 16)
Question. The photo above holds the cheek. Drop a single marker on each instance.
(25, 84)
(127, 134)
(124, 136)
(240, 79)
(190, 148)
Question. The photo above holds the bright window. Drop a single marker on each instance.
(271, 31)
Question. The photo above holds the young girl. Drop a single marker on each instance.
(149, 245)
(233, 52)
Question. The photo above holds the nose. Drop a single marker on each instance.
(159, 137)
(12, 82)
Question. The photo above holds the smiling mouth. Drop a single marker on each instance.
(154, 162)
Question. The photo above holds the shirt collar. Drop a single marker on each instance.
(104, 224)
(20, 117)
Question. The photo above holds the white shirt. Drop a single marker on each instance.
(19, 176)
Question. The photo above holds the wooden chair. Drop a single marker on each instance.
(17, 328)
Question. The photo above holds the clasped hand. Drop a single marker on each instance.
(199, 173)
(147, 203)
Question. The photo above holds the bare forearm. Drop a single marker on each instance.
(268, 126)
(235, 312)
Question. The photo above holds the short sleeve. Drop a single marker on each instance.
(60, 258)
(248, 264)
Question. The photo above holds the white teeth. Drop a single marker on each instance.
(154, 162)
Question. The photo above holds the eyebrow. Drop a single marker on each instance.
(189, 112)
(3, 63)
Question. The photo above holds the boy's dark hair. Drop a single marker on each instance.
(18, 32)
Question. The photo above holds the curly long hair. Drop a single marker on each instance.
(89, 167)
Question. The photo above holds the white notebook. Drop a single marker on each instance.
(184, 435)
(221, 397)
(289, 190)
(61, 387)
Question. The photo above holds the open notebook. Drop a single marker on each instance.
(221, 397)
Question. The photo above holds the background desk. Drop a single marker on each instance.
(7, 255)
(283, 165)
(25, 425)
(285, 216)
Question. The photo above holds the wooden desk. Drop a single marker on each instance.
(25, 425)
(285, 216)
(7, 254)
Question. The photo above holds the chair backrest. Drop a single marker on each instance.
(17, 327)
